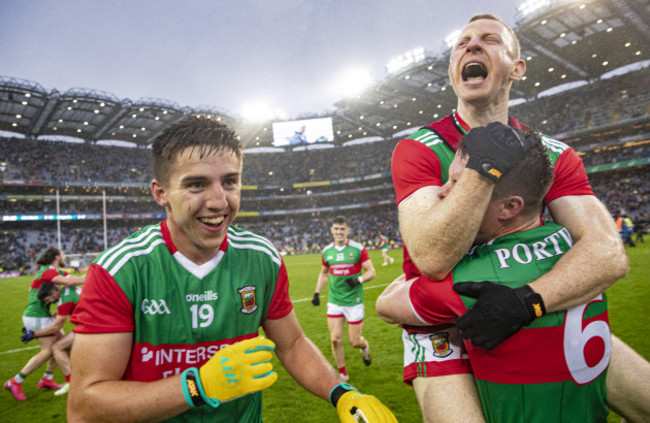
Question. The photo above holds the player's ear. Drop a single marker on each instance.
(518, 71)
(159, 193)
(511, 206)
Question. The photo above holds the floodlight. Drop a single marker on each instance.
(257, 111)
(353, 81)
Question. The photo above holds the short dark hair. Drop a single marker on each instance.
(46, 289)
(340, 220)
(206, 134)
(491, 17)
(530, 179)
(48, 256)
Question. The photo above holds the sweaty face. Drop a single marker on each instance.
(202, 199)
(340, 233)
(482, 63)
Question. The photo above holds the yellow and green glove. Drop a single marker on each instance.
(235, 371)
(352, 406)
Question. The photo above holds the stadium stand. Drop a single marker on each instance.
(602, 111)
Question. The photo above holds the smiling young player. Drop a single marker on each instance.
(168, 322)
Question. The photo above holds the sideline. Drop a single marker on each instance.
(294, 301)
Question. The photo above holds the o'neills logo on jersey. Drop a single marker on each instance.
(440, 342)
(153, 307)
(248, 299)
(206, 296)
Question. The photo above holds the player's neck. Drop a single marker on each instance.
(477, 114)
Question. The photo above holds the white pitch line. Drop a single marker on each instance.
(19, 349)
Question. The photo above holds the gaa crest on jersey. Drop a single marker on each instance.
(351, 256)
(248, 299)
(154, 307)
(440, 343)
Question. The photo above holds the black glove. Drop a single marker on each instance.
(27, 336)
(499, 311)
(316, 300)
(353, 282)
(495, 149)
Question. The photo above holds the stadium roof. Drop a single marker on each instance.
(564, 41)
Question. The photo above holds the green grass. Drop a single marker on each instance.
(285, 400)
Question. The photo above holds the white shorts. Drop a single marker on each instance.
(353, 314)
(384, 249)
(436, 353)
(37, 323)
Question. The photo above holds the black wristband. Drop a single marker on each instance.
(339, 390)
(191, 388)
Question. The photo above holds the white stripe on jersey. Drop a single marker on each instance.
(356, 244)
(126, 258)
(429, 138)
(108, 254)
(151, 233)
(133, 244)
(243, 239)
(554, 145)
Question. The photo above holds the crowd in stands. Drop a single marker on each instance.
(599, 104)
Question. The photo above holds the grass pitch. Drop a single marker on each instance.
(286, 400)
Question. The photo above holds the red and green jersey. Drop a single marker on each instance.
(344, 262)
(35, 308)
(68, 300)
(181, 313)
(551, 370)
(383, 241)
(423, 158)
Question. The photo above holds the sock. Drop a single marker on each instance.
(19, 378)
(343, 371)
(48, 376)
(67, 378)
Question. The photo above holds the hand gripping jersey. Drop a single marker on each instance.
(344, 262)
(550, 371)
(423, 160)
(181, 313)
(35, 308)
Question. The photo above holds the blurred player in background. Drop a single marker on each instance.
(61, 348)
(168, 321)
(37, 316)
(484, 63)
(384, 244)
(343, 260)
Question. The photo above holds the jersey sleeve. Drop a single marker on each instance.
(65, 309)
(102, 307)
(570, 177)
(364, 257)
(413, 166)
(281, 304)
(435, 302)
(49, 275)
